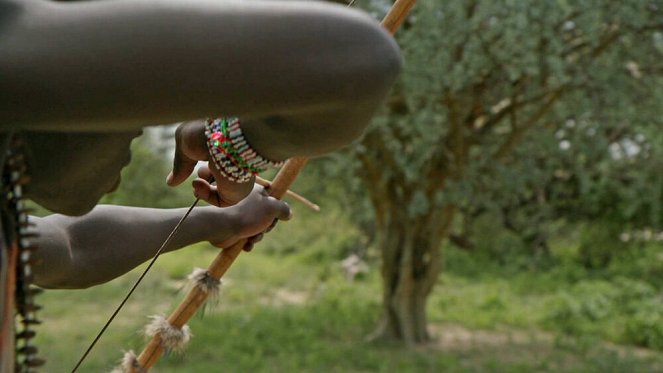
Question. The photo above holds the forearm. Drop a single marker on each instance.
(313, 134)
(162, 62)
(76, 252)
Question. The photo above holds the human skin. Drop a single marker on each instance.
(71, 170)
(125, 64)
(304, 78)
(77, 252)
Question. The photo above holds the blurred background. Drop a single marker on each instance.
(502, 214)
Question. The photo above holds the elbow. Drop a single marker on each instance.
(387, 60)
(374, 59)
(67, 280)
(361, 82)
(57, 265)
(374, 64)
(59, 277)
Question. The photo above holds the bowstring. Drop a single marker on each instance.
(138, 281)
(147, 269)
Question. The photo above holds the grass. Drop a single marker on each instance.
(281, 313)
(286, 307)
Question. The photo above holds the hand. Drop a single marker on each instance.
(253, 216)
(225, 193)
(191, 147)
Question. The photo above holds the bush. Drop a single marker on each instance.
(600, 244)
(645, 328)
(577, 310)
(644, 261)
(623, 310)
(499, 245)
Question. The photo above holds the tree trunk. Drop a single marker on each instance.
(411, 264)
(410, 241)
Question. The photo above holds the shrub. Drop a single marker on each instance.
(623, 310)
(645, 328)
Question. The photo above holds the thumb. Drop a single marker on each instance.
(282, 209)
(182, 168)
(183, 165)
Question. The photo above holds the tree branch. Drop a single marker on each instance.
(517, 133)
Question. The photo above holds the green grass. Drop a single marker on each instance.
(283, 313)
(286, 307)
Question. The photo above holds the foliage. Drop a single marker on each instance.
(529, 111)
(143, 181)
(518, 115)
(623, 310)
(620, 302)
(646, 326)
(600, 243)
(275, 314)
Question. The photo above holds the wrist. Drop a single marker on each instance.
(215, 224)
(231, 153)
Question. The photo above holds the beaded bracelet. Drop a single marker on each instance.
(233, 156)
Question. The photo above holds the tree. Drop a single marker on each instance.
(480, 77)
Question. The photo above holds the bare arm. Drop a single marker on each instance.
(77, 252)
(306, 76)
(70, 171)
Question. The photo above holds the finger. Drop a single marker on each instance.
(271, 226)
(262, 190)
(210, 172)
(206, 192)
(182, 168)
(257, 238)
(205, 173)
(283, 211)
(248, 247)
(233, 192)
(182, 165)
(209, 193)
(229, 192)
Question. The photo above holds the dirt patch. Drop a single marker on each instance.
(452, 337)
(285, 297)
(548, 352)
(508, 347)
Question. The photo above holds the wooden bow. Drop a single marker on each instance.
(285, 177)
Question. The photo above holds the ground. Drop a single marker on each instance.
(276, 314)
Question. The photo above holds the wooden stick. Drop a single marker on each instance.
(278, 188)
(397, 14)
(217, 269)
(289, 193)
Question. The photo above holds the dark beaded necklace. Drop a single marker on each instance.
(19, 237)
